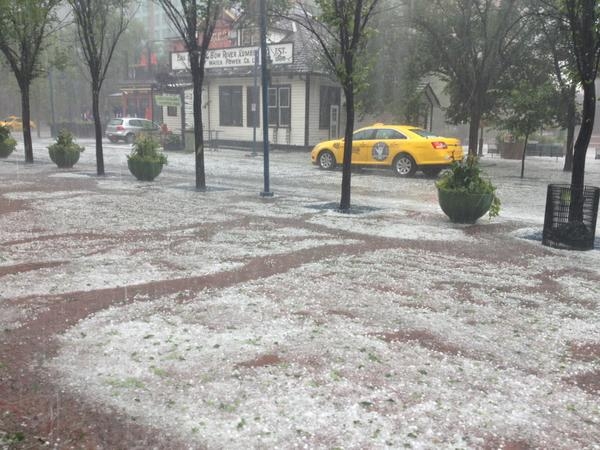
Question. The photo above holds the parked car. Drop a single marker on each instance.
(404, 148)
(15, 123)
(127, 128)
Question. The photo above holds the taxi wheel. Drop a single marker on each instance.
(404, 165)
(326, 160)
(130, 138)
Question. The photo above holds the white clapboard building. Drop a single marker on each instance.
(305, 103)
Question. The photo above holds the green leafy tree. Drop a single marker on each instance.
(395, 84)
(473, 44)
(24, 27)
(527, 107)
(341, 28)
(195, 22)
(100, 24)
(555, 42)
(527, 95)
(583, 18)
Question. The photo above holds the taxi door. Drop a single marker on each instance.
(362, 141)
(385, 144)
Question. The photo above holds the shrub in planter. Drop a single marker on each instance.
(145, 162)
(464, 194)
(7, 143)
(65, 152)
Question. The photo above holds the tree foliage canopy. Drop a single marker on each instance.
(341, 28)
(401, 65)
(24, 28)
(100, 24)
(472, 44)
(195, 22)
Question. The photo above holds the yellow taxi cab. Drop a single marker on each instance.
(404, 148)
(15, 123)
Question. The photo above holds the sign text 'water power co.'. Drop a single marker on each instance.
(235, 57)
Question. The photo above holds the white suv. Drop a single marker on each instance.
(127, 128)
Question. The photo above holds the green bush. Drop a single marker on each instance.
(466, 176)
(7, 143)
(146, 148)
(4, 132)
(64, 145)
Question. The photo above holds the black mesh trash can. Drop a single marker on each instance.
(567, 225)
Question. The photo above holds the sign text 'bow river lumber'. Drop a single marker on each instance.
(235, 57)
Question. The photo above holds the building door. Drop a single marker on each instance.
(334, 121)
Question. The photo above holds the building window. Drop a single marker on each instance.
(329, 96)
(280, 106)
(172, 111)
(249, 37)
(253, 106)
(230, 106)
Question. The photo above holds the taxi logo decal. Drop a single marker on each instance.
(380, 151)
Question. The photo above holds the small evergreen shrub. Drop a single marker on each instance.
(146, 148)
(64, 146)
(7, 143)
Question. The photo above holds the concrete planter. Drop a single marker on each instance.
(462, 207)
(144, 170)
(64, 159)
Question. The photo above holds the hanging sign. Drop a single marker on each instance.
(236, 57)
(167, 100)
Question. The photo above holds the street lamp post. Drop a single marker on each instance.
(265, 92)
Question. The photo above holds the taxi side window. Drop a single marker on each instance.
(386, 133)
(364, 135)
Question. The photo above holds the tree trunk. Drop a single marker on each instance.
(98, 130)
(37, 112)
(197, 79)
(474, 122)
(523, 156)
(480, 146)
(26, 118)
(571, 123)
(581, 145)
(347, 164)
